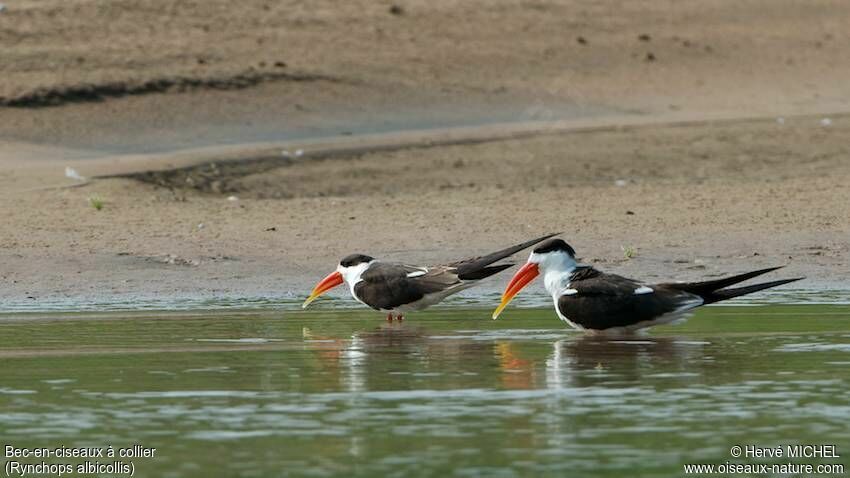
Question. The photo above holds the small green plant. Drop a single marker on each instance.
(629, 252)
(96, 202)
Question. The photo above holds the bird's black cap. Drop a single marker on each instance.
(553, 245)
(354, 259)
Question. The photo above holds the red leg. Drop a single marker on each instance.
(390, 317)
(400, 317)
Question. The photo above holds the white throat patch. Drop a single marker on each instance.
(556, 268)
(351, 275)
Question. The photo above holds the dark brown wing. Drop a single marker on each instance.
(595, 300)
(387, 286)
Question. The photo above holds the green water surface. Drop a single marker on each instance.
(446, 393)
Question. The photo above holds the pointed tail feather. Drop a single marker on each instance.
(471, 266)
(706, 287)
(723, 294)
(485, 272)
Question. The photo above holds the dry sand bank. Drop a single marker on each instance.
(107, 87)
(276, 68)
(653, 55)
(694, 201)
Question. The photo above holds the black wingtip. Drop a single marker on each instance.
(705, 288)
(724, 294)
(485, 272)
(470, 266)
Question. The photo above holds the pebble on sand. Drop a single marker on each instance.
(287, 154)
(826, 122)
(69, 172)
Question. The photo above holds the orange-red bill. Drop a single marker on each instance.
(332, 280)
(523, 276)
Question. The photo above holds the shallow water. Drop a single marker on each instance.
(448, 392)
(342, 300)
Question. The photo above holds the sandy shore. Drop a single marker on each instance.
(733, 196)
(704, 140)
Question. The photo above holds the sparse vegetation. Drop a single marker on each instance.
(629, 252)
(96, 202)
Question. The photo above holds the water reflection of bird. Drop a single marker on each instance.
(398, 288)
(592, 300)
(366, 357)
(395, 340)
(591, 359)
(351, 359)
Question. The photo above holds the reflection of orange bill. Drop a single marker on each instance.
(523, 276)
(332, 280)
(508, 359)
(517, 372)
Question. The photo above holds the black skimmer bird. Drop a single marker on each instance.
(399, 288)
(589, 299)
